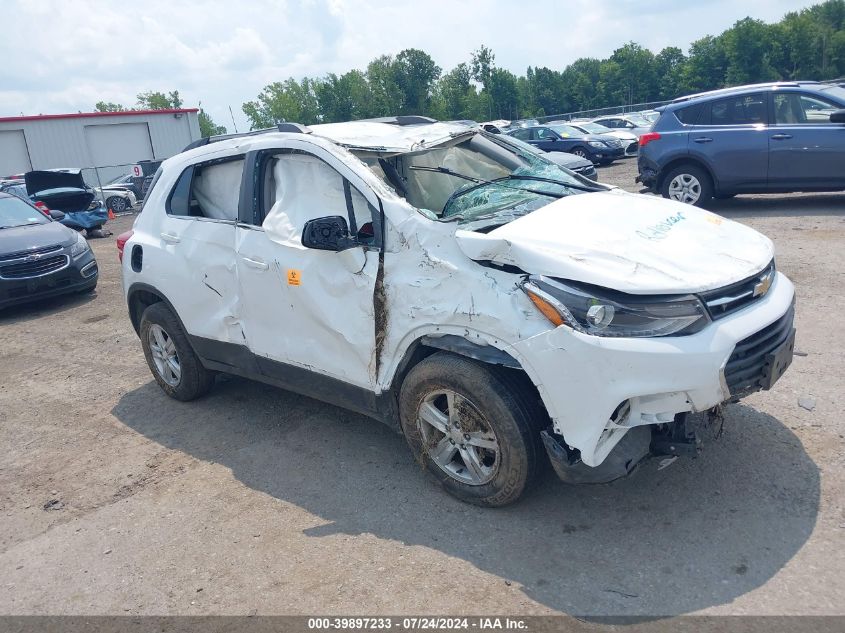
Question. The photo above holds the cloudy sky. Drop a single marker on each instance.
(64, 56)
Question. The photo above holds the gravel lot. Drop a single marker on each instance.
(116, 500)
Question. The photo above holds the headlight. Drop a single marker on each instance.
(80, 247)
(596, 143)
(601, 312)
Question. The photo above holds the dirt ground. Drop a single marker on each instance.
(115, 499)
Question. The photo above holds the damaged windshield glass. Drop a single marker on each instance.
(479, 181)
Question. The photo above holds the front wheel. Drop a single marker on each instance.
(116, 204)
(688, 184)
(172, 361)
(474, 427)
(580, 152)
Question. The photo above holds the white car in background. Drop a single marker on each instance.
(629, 122)
(493, 308)
(117, 198)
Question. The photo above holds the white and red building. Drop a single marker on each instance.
(108, 141)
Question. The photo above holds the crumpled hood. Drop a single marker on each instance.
(629, 242)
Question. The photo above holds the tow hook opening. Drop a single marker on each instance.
(677, 438)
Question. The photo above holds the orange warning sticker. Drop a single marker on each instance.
(294, 277)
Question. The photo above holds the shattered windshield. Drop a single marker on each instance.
(481, 181)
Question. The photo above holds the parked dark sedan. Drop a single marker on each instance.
(597, 148)
(39, 257)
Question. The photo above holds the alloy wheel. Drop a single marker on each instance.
(117, 204)
(165, 358)
(458, 438)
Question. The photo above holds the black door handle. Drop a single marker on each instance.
(781, 137)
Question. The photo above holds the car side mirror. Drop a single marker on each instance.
(58, 216)
(330, 233)
(837, 116)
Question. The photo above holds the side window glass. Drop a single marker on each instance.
(305, 188)
(739, 110)
(523, 135)
(180, 197)
(817, 110)
(544, 134)
(689, 115)
(208, 191)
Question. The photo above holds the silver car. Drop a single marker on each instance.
(633, 123)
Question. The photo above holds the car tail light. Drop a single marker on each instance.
(648, 137)
(43, 208)
(121, 243)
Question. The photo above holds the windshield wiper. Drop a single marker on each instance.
(552, 180)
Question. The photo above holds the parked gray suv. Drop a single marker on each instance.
(763, 138)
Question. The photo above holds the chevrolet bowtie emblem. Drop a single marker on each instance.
(33, 258)
(763, 285)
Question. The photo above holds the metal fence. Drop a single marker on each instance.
(103, 175)
(596, 112)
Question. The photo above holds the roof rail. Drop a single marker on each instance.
(294, 128)
(402, 120)
(719, 91)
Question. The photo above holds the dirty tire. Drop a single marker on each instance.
(194, 380)
(696, 175)
(506, 405)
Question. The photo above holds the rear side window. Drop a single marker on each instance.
(211, 190)
(690, 114)
(522, 135)
(738, 110)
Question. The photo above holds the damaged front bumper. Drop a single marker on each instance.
(682, 437)
(600, 391)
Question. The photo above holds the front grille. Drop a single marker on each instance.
(35, 251)
(746, 368)
(724, 301)
(36, 268)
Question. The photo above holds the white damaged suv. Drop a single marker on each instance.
(494, 307)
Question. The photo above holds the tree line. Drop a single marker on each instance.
(160, 101)
(807, 44)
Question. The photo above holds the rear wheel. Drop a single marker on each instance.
(474, 427)
(172, 361)
(688, 184)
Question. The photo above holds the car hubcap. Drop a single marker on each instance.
(165, 358)
(458, 438)
(118, 204)
(685, 188)
(580, 152)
